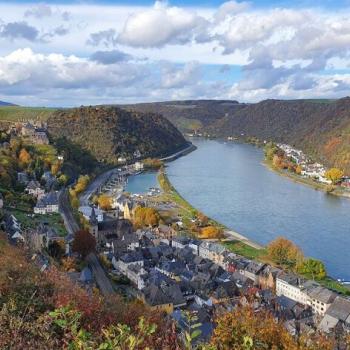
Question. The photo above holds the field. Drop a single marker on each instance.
(20, 114)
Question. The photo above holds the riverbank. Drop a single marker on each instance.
(307, 181)
(234, 241)
(237, 243)
(190, 148)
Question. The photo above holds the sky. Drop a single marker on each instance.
(71, 53)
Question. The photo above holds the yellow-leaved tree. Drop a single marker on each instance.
(105, 202)
(334, 175)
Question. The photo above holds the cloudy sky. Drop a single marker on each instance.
(70, 53)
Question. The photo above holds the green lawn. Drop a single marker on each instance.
(334, 285)
(245, 250)
(28, 221)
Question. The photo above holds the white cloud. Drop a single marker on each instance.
(230, 8)
(161, 25)
(154, 52)
(173, 77)
(72, 80)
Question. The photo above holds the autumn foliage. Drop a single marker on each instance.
(284, 252)
(24, 157)
(84, 243)
(334, 175)
(210, 232)
(246, 328)
(46, 310)
(144, 216)
(105, 202)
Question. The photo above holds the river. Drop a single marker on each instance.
(228, 182)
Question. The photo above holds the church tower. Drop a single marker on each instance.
(93, 224)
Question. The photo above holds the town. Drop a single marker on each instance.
(158, 264)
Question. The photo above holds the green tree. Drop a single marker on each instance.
(313, 267)
(192, 331)
(270, 150)
(63, 179)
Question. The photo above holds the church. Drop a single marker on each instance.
(109, 230)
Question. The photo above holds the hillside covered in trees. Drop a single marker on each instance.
(189, 115)
(108, 133)
(320, 127)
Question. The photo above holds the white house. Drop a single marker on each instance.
(320, 299)
(138, 166)
(134, 273)
(291, 287)
(180, 242)
(212, 251)
(34, 189)
(127, 259)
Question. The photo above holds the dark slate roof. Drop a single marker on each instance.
(49, 199)
(322, 294)
(173, 266)
(289, 278)
(340, 309)
(85, 275)
(155, 296)
(32, 185)
(181, 240)
(131, 257)
(226, 290)
(285, 302)
(254, 267)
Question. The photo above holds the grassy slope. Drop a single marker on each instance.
(16, 113)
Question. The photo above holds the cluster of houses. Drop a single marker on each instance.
(47, 202)
(172, 273)
(309, 169)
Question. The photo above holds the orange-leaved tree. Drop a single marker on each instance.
(285, 253)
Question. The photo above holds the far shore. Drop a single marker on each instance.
(308, 182)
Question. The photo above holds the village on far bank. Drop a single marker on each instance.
(155, 247)
(296, 162)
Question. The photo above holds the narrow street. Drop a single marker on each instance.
(72, 226)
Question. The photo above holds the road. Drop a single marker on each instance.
(94, 185)
(72, 226)
(102, 280)
(66, 213)
(178, 154)
(230, 234)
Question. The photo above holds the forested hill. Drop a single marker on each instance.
(191, 114)
(110, 132)
(319, 127)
